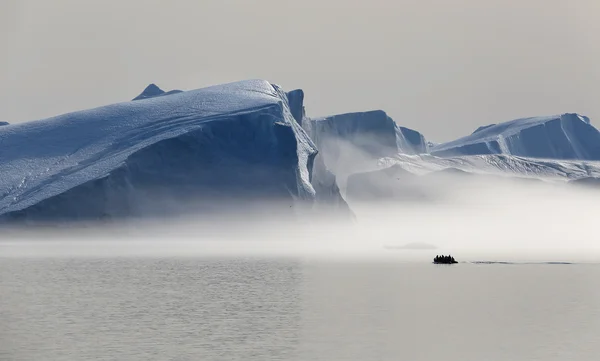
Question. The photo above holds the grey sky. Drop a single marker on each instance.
(439, 66)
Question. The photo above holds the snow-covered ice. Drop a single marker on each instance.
(228, 141)
(373, 132)
(566, 136)
(189, 151)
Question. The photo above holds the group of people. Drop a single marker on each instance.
(444, 259)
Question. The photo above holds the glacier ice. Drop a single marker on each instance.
(373, 132)
(429, 178)
(192, 150)
(296, 102)
(497, 164)
(353, 142)
(566, 136)
(250, 142)
(152, 91)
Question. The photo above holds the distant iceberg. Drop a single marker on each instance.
(373, 132)
(354, 142)
(566, 136)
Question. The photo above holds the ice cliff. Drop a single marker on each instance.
(373, 133)
(296, 102)
(190, 151)
(566, 136)
(244, 144)
(353, 142)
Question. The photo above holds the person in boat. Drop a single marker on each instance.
(444, 259)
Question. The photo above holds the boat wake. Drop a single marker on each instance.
(514, 263)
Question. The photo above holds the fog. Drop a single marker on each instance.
(473, 216)
(477, 221)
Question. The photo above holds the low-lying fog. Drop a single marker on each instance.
(474, 220)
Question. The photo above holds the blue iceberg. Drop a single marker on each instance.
(566, 136)
(160, 155)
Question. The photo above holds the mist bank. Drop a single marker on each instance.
(484, 221)
(241, 169)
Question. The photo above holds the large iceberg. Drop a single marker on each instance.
(242, 144)
(566, 136)
(189, 151)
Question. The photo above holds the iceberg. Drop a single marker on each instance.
(373, 132)
(497, 164)
(425, 177)
(566, 136)
(354, 142)
(296, 102)
(198, 150)
(153, 91)
(246, 144)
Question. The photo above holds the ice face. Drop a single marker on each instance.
(566, 136)
(230, 142)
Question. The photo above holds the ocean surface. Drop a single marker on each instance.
(72, 308)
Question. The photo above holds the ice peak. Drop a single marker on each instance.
(152, 91)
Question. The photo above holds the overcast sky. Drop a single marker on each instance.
(439, 66)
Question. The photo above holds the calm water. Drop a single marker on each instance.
(285, 309)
